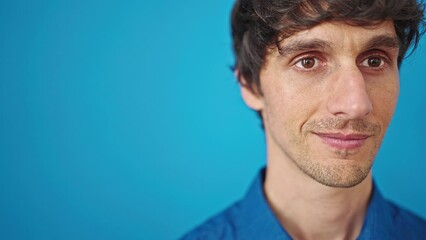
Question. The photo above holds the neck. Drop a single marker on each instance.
(310, 210)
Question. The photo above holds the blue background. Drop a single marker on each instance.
(122, 120)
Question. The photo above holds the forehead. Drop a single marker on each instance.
(342, 36)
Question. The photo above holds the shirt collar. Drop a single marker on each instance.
(378, 219)
(259, 222)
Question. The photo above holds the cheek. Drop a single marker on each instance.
(289, 100)
(384, 102)
(287, 108)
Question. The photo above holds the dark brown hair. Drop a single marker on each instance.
(260, 24)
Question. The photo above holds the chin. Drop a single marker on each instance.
(337, 172)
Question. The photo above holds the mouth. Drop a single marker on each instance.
(343, 141)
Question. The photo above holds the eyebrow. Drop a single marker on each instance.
(305, 45)
(384, 41)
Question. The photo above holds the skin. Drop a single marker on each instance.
(328, 96)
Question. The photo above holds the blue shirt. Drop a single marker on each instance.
(252, 218)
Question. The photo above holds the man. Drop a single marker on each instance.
(323, 76)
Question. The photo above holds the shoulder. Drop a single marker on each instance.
(408, 222)
(221, 226)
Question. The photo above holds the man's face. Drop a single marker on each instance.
(328, 99)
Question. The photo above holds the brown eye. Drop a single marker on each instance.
(308, 62)
(374, 62)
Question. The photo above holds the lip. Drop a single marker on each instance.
(343, 141)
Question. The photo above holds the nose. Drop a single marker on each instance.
(349, 97)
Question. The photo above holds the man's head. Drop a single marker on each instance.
(324, 75)
(259, 25)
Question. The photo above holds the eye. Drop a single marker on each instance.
(373, 62)
(307, 63)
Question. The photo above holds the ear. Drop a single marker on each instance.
(252, 98)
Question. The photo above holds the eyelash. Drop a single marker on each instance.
(320, 63)
(385, 61)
